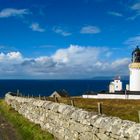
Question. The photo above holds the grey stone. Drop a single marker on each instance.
(94, 137)
(102, 136)
(86, 136)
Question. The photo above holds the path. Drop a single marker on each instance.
(7, 131)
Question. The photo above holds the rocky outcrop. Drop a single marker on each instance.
(69, 123)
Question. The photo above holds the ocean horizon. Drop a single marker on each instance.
(45, 87)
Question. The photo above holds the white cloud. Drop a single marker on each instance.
(115, 14)
(90, 30)
(72, 62)
(11, 56)
(120, 62)
(9, 12)
(14, 55)
(76, 54)
(2, 55)
(36, 27)
(133, 41)
(133, 17)
(136, 9)
(61, 31)
(136, 6)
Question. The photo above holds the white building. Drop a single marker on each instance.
(132, 90)
(134, 68)
(127, 87)
(116, 85)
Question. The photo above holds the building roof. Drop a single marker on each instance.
(62, 93)
(136, 55)
(117, 78)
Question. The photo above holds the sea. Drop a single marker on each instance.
(47, 87)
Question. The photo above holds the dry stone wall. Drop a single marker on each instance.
(69, 123)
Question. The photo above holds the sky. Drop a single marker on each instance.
(67, 39)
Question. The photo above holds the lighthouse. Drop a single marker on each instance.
(134, 68)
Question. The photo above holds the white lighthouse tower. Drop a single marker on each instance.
(134, 68)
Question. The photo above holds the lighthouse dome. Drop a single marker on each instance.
(136, 55)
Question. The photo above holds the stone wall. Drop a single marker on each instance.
(69, 123)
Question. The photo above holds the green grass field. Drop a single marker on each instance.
(125, 109)
(26, 129)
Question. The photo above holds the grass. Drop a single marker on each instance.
(124, 109)
(26, 129)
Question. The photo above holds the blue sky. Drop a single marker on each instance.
(58, 39)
